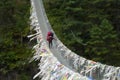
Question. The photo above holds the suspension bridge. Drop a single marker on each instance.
(60, 63)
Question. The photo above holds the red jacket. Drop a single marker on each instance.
(50, 36)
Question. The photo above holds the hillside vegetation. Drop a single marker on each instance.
(15, 52)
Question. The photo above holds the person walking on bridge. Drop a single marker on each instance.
(50, 38)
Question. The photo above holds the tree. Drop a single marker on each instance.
(14, 28)
(103, 45)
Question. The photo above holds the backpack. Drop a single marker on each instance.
(49, 36)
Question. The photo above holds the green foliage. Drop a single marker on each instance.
(90, 28)
(103, 43)
(14, 28)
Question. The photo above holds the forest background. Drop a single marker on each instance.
(91, 28)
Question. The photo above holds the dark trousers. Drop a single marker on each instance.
(50, 44)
